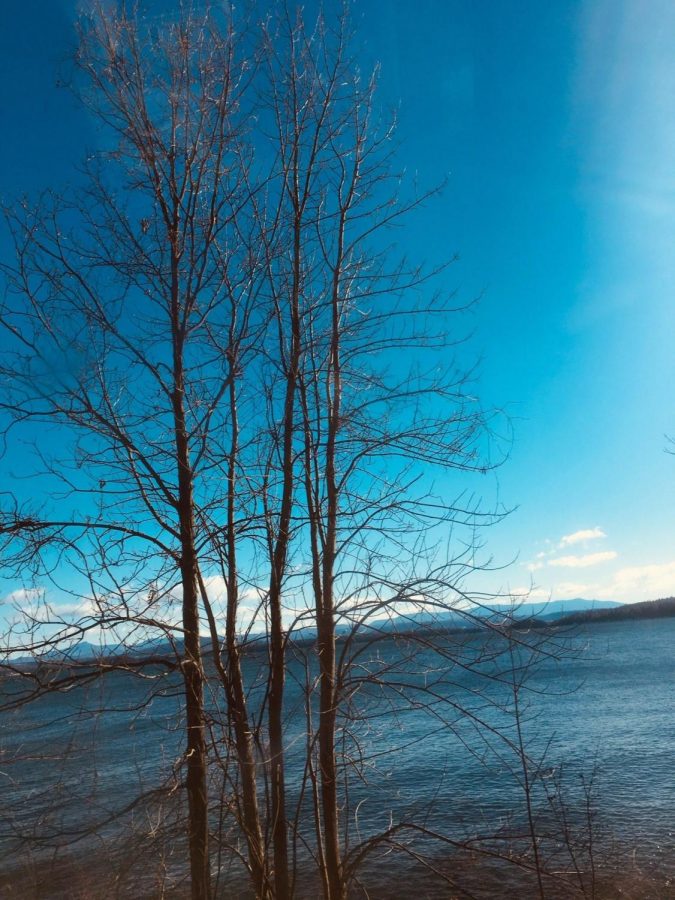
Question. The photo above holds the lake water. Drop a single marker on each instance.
(609, 708)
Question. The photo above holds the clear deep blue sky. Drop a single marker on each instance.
(555, 123)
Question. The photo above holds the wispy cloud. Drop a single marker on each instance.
(582, 562)
(624, 105)
(22, 598)
(583, 536)
(527, 592)
(651, 581)
(567, 590)
(578, 537)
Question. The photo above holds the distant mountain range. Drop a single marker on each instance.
(497, 613)
(555, 608)
(554, 612)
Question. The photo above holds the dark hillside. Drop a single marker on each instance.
(648, 609)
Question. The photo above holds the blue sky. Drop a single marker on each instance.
(555, 125)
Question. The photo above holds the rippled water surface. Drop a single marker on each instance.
(609, 708)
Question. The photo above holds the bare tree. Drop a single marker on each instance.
(122, 322)
(252, 396)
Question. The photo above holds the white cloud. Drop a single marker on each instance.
(85, 606)
(586, 534)
(215, 587)
(582, 562)
(22, 598)
(543, 557)
(649, 582)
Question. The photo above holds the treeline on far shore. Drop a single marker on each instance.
(647, 609)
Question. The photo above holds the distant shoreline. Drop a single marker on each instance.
(643, 610)
(646, 609)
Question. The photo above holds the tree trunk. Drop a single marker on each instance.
(278, 568)
(325, 613)
(193, 676)
(193, 672)
(327, 762)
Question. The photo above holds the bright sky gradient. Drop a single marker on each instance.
(555, 123)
